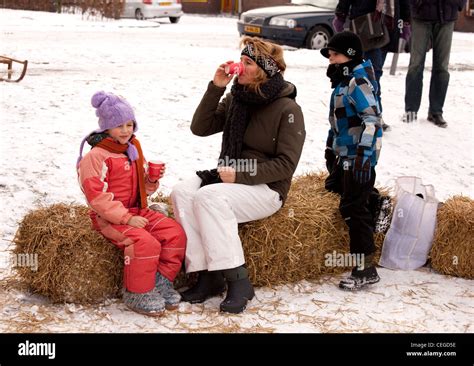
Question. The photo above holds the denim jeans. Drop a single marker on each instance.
(377, 57)
(441, 35)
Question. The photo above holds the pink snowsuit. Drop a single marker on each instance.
(110, 184)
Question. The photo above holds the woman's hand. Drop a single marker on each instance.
(221, 79)
(227, 174)
(137, 221)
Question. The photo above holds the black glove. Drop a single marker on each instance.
(209, 177)
(362, 167)
(329, 153)
(330, 159)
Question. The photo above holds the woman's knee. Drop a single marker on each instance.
(185, 190)
(177, 193)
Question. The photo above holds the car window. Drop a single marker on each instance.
(327, 4)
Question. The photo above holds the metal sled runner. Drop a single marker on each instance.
(10, 62)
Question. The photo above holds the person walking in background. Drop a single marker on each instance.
(352, 148)
(396, 18)
(263, 136)
(432, 21)
(115, 181)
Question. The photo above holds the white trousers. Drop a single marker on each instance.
(210, 216)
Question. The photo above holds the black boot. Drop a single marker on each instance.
(437, 119)
(239, 290)
(209, 284)
(360, 279)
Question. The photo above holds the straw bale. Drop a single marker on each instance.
(452, 252)
(75, 263)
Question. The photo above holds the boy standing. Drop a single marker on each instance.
(353, 147)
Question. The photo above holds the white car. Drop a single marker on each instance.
(146, 9)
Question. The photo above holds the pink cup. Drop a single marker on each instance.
(236, 68)
(154, 169)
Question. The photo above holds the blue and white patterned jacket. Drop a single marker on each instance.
(354, 115)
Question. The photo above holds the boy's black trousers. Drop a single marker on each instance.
(357, 206)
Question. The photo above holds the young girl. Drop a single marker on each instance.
(353, 147)
(114, 179)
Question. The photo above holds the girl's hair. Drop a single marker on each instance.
(266, 49)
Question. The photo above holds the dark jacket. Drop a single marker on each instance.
(356, 8)
(436, 10)
(274, 137)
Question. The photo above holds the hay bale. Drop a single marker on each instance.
(291, 245)
(452, 252)
(75, 263)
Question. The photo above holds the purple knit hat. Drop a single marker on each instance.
(113, 111)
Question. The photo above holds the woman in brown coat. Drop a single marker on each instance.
(263, 136)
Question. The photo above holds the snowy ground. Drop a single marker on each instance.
(163, 70)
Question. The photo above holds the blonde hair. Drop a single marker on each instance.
(266, 49)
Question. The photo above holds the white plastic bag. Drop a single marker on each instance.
(409, 239)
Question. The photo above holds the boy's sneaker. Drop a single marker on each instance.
(150, 303)
(383, 214)
(165, 287)
(410, 117)
(360, 279)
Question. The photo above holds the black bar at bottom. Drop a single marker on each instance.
(435, 348)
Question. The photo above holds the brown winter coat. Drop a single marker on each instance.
(274, 137)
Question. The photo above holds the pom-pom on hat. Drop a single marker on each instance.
(347, 43)
(113, 111)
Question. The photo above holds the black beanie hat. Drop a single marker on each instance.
(346, 43)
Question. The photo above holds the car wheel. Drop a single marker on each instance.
(317, 38)
(174, 20)
(139, 14)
